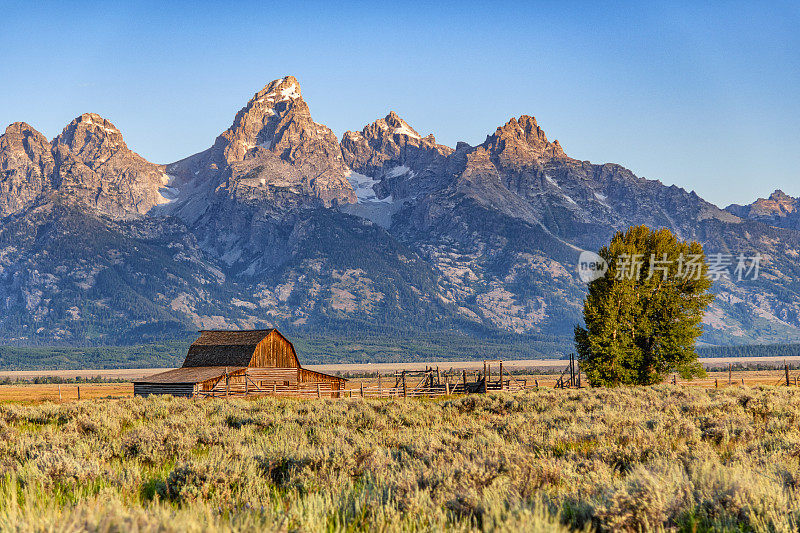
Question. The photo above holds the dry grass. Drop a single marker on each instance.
(68, 392)
(649, 458)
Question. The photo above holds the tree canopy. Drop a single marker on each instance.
(643, 315)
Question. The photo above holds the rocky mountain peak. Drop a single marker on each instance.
(781, 197)
(21, 129)
(92, 136)
(95, 168)
(26, 165)
(522, 138)
(398, 126)
(284, 89)
(389, 143)
(274, 142)
(22, 140)
(277, 120)
(779, 209)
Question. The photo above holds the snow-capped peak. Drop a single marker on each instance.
(281, 90)
(400, 126)
(290, 92)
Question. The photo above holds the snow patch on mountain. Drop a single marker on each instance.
(369, 206)
(405, 130)
(601, 199)
(398, 171)
(168, 195)
(290, 93)
(364, 188)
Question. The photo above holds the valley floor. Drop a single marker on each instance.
(20, 387)
(682, 458)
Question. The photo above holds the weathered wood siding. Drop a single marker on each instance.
(261, 377)
(265, 378)
(175, 389)
(309, 376)
(274, 352)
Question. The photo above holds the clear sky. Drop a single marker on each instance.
(703, 97)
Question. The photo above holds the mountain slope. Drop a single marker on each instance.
(280, 223)
(779, 210)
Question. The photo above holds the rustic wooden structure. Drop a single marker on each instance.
(433, 382)
(240, 363)
(571, 376)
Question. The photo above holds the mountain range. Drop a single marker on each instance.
(281, 223)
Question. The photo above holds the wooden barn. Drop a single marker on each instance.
(236, 363)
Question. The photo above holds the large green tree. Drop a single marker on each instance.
(643, 315)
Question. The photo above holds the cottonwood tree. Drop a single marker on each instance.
(643, 315)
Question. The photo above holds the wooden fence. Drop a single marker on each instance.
(430, 382)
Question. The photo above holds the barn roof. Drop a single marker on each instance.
(190, 375)
(224, 348)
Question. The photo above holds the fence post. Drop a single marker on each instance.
(786, 367)
(716, 383)
(536, 383)
(571, 370)
(362, 389)
(274, 387)
(464, 379)
(59, 392)
(405, 390)
(319, 395)
(501, 375)
(438, 377)
(674, 379)
(246, 383)
(730, 373)
(79, 392)
(380, 386)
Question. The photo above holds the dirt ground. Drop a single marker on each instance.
(531, 372)
(386, 368)
(69, 392)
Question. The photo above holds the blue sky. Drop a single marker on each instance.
(705, 97)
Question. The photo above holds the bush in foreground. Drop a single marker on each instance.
(622, 460)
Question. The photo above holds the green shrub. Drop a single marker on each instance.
(619, 460)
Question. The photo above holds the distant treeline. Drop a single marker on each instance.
(750, 350)
(392, 346)
(43, 380)
(377, 345)
(384, 345)
(164, 355)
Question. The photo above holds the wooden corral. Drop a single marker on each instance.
(236, 363)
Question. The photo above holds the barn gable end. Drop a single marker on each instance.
(274, 351)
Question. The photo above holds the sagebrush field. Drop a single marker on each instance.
(626, 459)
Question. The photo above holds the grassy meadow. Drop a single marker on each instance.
(630, 459)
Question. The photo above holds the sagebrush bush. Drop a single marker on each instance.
(654, 458)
